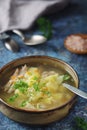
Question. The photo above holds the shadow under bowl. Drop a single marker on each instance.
(36, 117)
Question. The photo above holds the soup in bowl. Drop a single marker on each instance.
(32, 89)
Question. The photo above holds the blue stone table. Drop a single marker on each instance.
(73, 19)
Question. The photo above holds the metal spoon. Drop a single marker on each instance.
(75, 90)
(33, 40)
(11, 44)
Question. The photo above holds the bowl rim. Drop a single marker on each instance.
(46, 57)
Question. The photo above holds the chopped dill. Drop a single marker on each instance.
(12, 98)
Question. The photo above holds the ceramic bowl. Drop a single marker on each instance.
(36, 117)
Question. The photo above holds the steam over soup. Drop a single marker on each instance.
(37, 88)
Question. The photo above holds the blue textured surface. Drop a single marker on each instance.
(72, 19)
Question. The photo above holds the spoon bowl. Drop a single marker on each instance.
(33, 40)
(11, 45)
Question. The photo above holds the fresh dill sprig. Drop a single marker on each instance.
(80, 123)
(45, 27)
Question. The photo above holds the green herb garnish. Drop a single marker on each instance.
(23, 104)
(47, 93)
(35, 78)
(36, 87)
(45, 27)
(80, 124)
(66, 77)
(12, 98)
(21, 85)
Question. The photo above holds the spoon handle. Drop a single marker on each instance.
(75, 90)
(19, 33)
